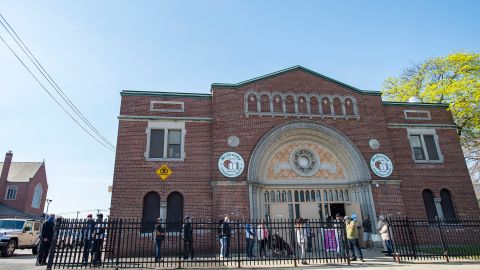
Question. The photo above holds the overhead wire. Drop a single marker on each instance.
(52, 82)
(50, 94)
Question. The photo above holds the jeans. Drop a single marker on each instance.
(351, 244)
(43, 252)
(302, 250)
(388, 244)
(97, 251)
(250, 242)
(223, 246)
(158, 247)
(87, 245)
(187, 249)
(263, 244)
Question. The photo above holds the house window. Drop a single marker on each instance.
(429, 202)
(447, 205)
(11, 193)
(151, 211)
(165, 141)
(174, 211)
(425, 147)
(37, 196)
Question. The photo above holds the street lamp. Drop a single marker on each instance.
(48, 203)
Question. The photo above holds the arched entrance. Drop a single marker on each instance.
(307, 169)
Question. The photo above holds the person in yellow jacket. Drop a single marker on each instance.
(352, 237)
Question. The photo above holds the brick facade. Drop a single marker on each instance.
(211, 119)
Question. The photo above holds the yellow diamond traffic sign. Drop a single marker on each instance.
(164, 172)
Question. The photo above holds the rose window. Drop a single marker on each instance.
(304, 162)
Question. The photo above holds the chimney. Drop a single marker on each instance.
(6, 166)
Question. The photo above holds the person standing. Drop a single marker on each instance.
(301, 236)
(352, 237)
(367, 232)
(338, 225)
(382, 228)
(45, 240)
(250, 237)
(159, 237)
(310, 235)
(98, 236)
(262, 237)
(225, 233)
(187, 239)
(87, 232)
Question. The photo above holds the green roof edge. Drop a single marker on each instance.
(277, 73)
(163, 94)
(415, 104)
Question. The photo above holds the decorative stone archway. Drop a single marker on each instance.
(310, 156)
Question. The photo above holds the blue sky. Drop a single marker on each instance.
(94, 49)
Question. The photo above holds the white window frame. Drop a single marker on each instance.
(166, 126)
(420, 132)
(37, 196)
(6, 193)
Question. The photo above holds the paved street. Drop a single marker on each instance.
(24, 260)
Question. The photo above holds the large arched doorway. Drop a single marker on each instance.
(306, 169)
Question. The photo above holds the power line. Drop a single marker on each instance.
(51, 81)
(53, 84)
(50, 94)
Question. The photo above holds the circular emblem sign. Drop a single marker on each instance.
(231, 164)
(381, 165)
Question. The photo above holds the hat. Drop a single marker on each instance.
(89, 215)
(354, 216)
(187, 218)
(99, 215)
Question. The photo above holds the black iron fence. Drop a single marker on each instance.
(131, 243)
(424, 239)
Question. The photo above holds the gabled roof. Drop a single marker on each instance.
(22, 171)
(280, 72)
(10, 212)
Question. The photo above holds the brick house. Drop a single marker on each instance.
(23, 186)
(311, 147)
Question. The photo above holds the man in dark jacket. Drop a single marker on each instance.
(187, 239)
(87, 232)
(98, 236)
(45, 240)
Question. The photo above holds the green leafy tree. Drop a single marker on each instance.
(455, 80)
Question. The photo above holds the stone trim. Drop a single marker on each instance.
(228, 183)
(180, 103)
(401, 125)
(386, 182)
(426, 113)
(166, 118)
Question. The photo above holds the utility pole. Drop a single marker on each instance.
(48, 204)
(78, 212)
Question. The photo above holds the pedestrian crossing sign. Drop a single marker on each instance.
(164, 172)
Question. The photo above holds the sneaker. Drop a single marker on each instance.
(362, 260)
(353, 259)
(304, 262)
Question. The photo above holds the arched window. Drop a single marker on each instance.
(174, 211)
(429, 202)
(37, 196)
(447, 205)
(151, 211)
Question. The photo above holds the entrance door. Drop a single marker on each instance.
(337, 208)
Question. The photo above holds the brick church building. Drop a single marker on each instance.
(289, 144)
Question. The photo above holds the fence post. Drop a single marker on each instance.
(119, 228)
(238, 245)
(53, 244)
(180, 241)
(345, 241)
(444, 245)
(294, 243)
